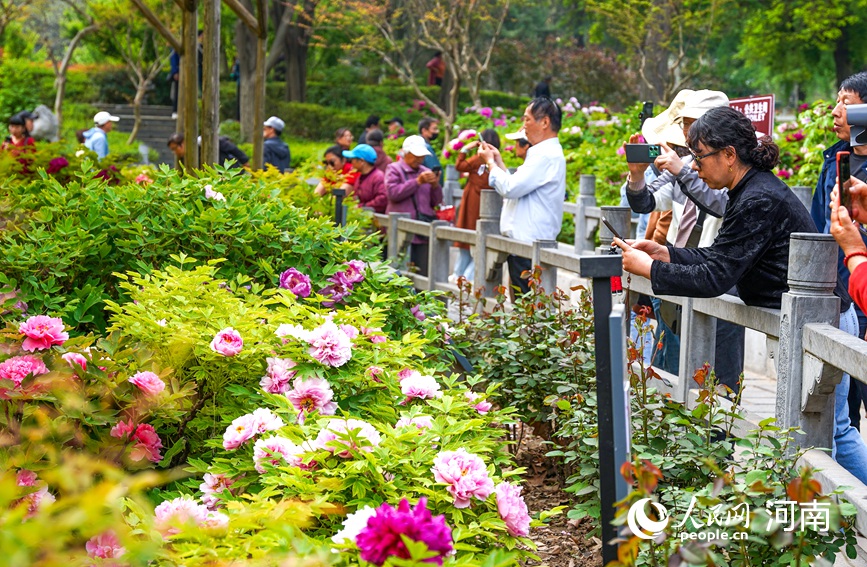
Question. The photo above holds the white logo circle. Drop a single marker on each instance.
(641, 525)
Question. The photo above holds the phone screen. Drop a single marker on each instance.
(844, 179)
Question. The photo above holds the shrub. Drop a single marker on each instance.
(63, 242)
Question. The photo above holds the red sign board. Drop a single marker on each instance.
(759, 109)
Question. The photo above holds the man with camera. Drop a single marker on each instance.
(534, 194)
(853, 90)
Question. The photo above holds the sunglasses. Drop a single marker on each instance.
(330, 162)
(698, 158)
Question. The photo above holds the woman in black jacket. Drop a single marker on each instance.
(751, 250)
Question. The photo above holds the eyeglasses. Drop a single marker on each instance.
(698, 158)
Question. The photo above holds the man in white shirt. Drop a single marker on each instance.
(532, 196)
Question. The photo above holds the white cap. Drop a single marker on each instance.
(664, 126)
(275, 123)
(103, 117)
(702, 101)
(519, 135)
(416, 146)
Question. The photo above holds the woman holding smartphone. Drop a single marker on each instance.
(849, 237)
(751, 250)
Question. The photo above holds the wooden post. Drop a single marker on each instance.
(810, 299)
(211, 82)
(190, 85)
(586, 199)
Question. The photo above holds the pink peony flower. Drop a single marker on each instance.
(143, 179)
(240, 431)
(18, 368)
(277, 451)
(214, 484)
(513, 509)
(42, 332)
(266, 420)
(147, 444)
(486, 111)
(296, 282)
(407, 373)
(122, 429)
(465, 475)
(418, 313)
(374, 372)
(280, 373)
(420, 386)
(172, 515)
(420, 421)
(148, 382)
(227, 342)
(350, 331)
(329, 345)
(384, 534)
(213, 195)
(354, 272)
(499, 122)
(467, 135)
(353, 524)
(73, 358)
(216, 522)
(482, 407)
(336, 292)
(37, 500)
(26, 478)
(312, 394)
(104, 546)
(374, 334)
(348, 433)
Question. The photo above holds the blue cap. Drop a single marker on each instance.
(361, 151)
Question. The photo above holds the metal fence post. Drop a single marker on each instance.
(586, 198)
(490, 207)
(810, 299)
(600, 269)
(339, 212)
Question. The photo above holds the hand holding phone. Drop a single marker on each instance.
(642, 153)
(611, 229)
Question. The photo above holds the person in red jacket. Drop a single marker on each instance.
(369, 187)
(18, 136)
(848, 236)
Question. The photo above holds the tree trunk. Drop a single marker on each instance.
(843, 56)
(297, 42)
(245, 43)
(190, 86)
(211, 82)
(60, 73)
(60, 86)
(140, 90)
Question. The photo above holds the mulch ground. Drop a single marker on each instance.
(561, 542)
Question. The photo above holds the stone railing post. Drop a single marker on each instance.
(621, 219)
(697, 346)
(804, 194)
(490, 207)
(810, 299)
(549, 273)
(393, 240)
(437, 256)
(451, 185)
(586, 198)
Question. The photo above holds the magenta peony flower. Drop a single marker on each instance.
(73, 358)
(122, 429)
(18, 368)
(42, 332)
(26, 478)
(354, 272)
(148, 382)
(276, 451)
(56, 164)
(148, 444)
(420, 386)
(418, 313)
(420, 421)
(383, 536)
(279, 375)
(329, 345)
(465, 475)
(348, 433)
(482, 407)
(104, 546)
(296, 282)
(513, 509)
(171, 515)
(486, 111)
(312, 394)
(227, 342)
(214, 484)
(499, 122)
(335, 292)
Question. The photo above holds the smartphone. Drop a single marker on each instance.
(611, 228)
(844, 180)
(437, 170)
(642, 153)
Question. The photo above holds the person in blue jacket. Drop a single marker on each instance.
(96, 138)
(275, 150)
(853, 90)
